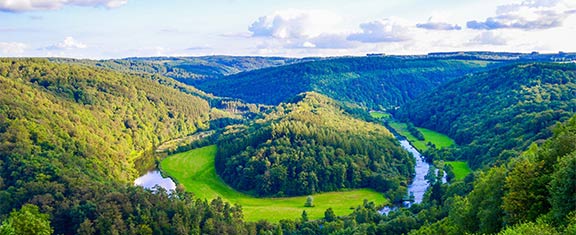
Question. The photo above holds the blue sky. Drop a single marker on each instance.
(125, 28)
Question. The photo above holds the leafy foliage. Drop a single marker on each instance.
(533, 192)
(27, 220)
(493, 115)
(311, 146)
(188, 69)
(309, 202)
(373, 82)
(69, 137)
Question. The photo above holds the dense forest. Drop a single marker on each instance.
(69, 138)
(372, 82)
(72, 132)
(494, 115)
(311, 145)
(188, 69)
(532, 194)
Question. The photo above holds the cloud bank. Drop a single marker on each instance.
(293, 23)
(488, 38)
(46, 5)
(68, 43)
(385, 30)
(438, 26)
(12, 48)
(528, 15)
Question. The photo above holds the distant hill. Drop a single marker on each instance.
(189, 69)
(373, 82)
(494, 113)
(311, 145)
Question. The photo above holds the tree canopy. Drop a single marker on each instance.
(310, 146)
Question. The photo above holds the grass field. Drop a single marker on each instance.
(195, 170)
(438, 139)
(461, 169)
(378, 115)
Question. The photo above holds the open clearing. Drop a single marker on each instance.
(436, 138)
(461, 169)
(195, 170)
(379, 115)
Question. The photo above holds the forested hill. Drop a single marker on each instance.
(189, 69)
(69, 136)
(373, 82)
(310, 146)
(533, 193)
(495, 114)
(93, 113)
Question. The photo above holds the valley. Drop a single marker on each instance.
(128, 117)
(73, 133)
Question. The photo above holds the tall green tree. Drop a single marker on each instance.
(27, 221)
(526, 194)
(563, 187)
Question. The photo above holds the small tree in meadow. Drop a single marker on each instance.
(309, 202)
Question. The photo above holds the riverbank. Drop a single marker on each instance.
(437, 139)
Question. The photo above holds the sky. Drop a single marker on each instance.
(102, 29)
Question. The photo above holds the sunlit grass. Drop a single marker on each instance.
(379, 115)
(460, 168)
(195, 170)
(438, 139)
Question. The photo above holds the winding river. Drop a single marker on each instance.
(417, 188)
(419, 183)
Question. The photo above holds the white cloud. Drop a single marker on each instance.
(433, 24)
(68, 43)
(45, 5)
(294, 23)
(332, 41)
(528, 15)
(385, 30)
(488, 38)
(12, 48)
(301, 29)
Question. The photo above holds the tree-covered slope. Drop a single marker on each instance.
(189, 69)
(373, 82)
(492, 112)
(69, 136)
(311, 145)
(534, 193)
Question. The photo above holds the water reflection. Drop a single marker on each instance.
(419, 184)
(153, 178)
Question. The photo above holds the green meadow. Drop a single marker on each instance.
(195, 171)
(461, 169)
(436, 138)
(379, 115)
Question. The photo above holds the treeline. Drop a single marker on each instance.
(311, 146)
(187, 69)
(495, 115)
(370, 82)
(96, 208)
(414, 131)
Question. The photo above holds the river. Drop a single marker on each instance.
(419, 183)
(154, 178)
(417, 188)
